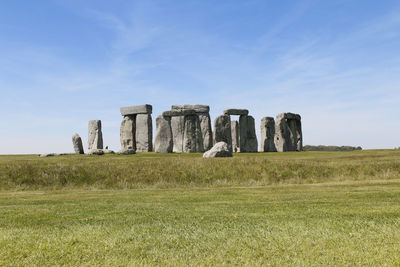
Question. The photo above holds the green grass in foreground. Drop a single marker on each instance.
(298, 225)
(151, 170)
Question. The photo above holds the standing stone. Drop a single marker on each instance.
(192, 137)
(268, 134)
(144, 133)
(235, 136)
(222, 130)
(205, 125)
(288, 132)
(95, 136)
(177, 127)
(77, 143)
(248, 138)
(128, 134)
(163, 141)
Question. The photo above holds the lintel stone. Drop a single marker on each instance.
(132, 110)
(234, 111)
(197, 107)
(175, 113)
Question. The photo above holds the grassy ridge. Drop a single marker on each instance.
(172, 170)
(346, 224)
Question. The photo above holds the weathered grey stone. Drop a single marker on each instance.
(220, 149)
(108, 151)
(288, 132)
(206, 131)
(235, 136)
(234, 111)
(133, 110)
(127, 151)
(177, 127)
(163, 140)
(176, 113)
(77, 143)
(196, 107)
(128, 133)
(248, 138)
(222, 130)
(95, 136)
(95, 152)
(48, 155)
(268, 134)
(192, 137)
(144, 133)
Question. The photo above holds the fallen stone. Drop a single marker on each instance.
(95, 136)
(235, 136)
(108, 151)
(248, 138)
(192, 137)
(95, 152)
(144, 133)
(233, 111)
(48, 155)
(268, 134)
(77, 144)
(127, 151)
(163, 140)
(222, 130)
(128, 133)
(133, 110)
(220, 149)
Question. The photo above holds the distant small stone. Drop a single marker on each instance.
(108, 151)
(220, 149)
(127, 151)
(48, 155)
(95, 152)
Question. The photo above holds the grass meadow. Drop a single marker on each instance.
(277, 209)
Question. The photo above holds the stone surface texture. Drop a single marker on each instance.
(177, 128)
(95, 136)
(196, 107)
(133, 110)
(288, 132)
(163, 140)
(222, 130)
(248, 138)
(235, 111)
(127, 151)
(220, 149)
(128, 133)
(192, 136)
(144, 133)
(206, 131)
(77, 144)
(267, 134)
(235, 136)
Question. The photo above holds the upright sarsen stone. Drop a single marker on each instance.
(163, 140)
(177, 127)
(95, 136)
(248, 138)
(206, 131)
(288, 132)
(144, 133)
(222, 130)
(267, 134)
(128, 133)
(77, 143)
(235, 136)
(192, 137)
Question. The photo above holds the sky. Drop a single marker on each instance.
(65, 62)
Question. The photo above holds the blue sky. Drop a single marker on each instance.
(62, 63)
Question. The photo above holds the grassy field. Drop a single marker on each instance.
(297, 209)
